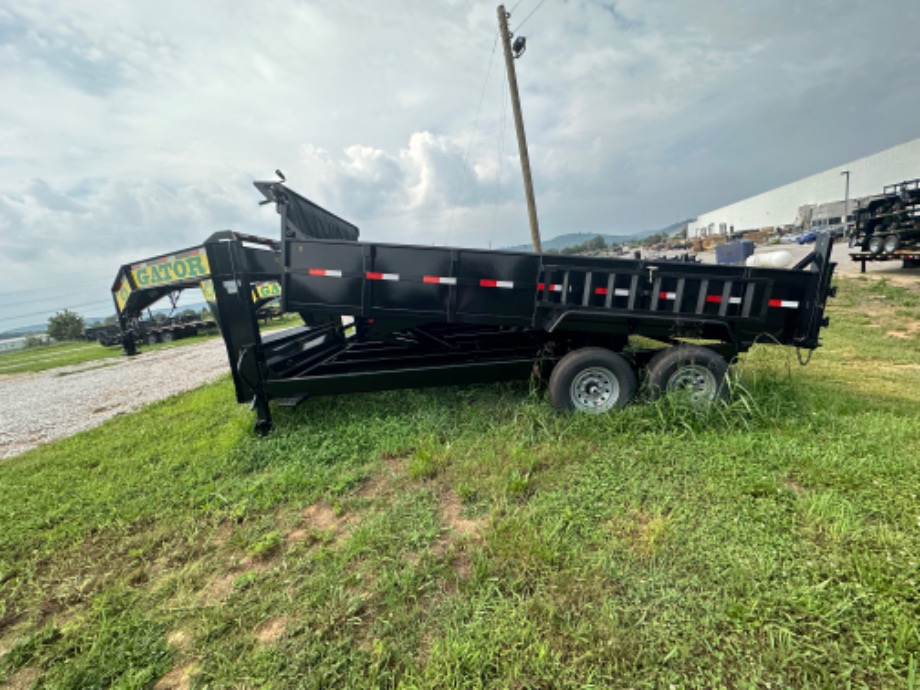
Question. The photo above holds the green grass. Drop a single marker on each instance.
(471, 537)
(76, 353)
(53, 356)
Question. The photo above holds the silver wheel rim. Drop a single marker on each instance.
(595, 389)
(694, 380)
(891, 244)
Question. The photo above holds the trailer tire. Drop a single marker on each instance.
(876, 244)
(152, 338)
(892, 242)
(593, 380)
(689, 369)
(169, 336)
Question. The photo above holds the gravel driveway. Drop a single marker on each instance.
(48, 405)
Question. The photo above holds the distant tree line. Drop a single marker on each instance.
(595, 244)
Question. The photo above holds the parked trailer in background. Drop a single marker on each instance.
(425, 316)
(888, 227)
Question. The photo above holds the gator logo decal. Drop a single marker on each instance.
(207, 291)
(122, 293)
(171, 269)
(266, 290)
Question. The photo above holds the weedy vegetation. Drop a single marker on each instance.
(471, 537)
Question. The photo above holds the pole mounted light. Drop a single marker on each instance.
(846, 203)
(520, 45)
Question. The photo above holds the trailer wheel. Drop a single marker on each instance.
(892, 242)
(688, 369)
(169, 336)
(152, 339)
(591, 379)
(876, 244)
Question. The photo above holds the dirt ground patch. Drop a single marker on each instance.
(180, 678)
(451, 510)
(23, 679)
(271, 630)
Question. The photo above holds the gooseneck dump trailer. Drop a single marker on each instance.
(381, 316)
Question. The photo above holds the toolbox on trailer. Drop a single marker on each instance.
(379, 316)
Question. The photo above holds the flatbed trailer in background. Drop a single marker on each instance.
(888, 227)
(382, 316)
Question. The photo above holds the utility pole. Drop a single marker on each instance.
(846, 204)
(519, 126)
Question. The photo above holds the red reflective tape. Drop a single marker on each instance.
(668, 295)
(714, 299)
(316, 272)
(439, 280)
(600, 291)
(783, 303)
(488, 283)
(507, 284)
(374, 276)
(431, 279)
(554, 287)
(323, 273)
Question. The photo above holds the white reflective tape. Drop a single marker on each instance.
(506, 284)
(621, 292)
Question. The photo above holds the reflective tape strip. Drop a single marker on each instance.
(324, 273)
(553, 287)
(668, 295)
(506, 284)
(382, 276)
(717, 299)
(618, 292)
(438, 280)
(783, 303)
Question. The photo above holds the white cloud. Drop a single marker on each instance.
(129, 127)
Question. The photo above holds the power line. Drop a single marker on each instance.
(43, 299)
(469, 146)
(518, 27)
(45, 311)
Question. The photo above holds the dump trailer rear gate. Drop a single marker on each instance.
(427, 316)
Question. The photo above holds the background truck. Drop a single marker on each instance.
(381, 316)
(888, 227)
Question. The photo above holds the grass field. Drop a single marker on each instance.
(76, 353)
(471, 537)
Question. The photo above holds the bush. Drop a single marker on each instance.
(65, 325)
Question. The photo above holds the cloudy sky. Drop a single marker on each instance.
(132, 128)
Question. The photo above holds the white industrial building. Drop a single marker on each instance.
(780, 207)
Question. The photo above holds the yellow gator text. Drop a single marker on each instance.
(122, 293)
(172, 270)
(266, 290)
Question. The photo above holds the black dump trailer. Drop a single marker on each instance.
(888, 226)
(383, 316)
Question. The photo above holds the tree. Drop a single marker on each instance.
(65, 325)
